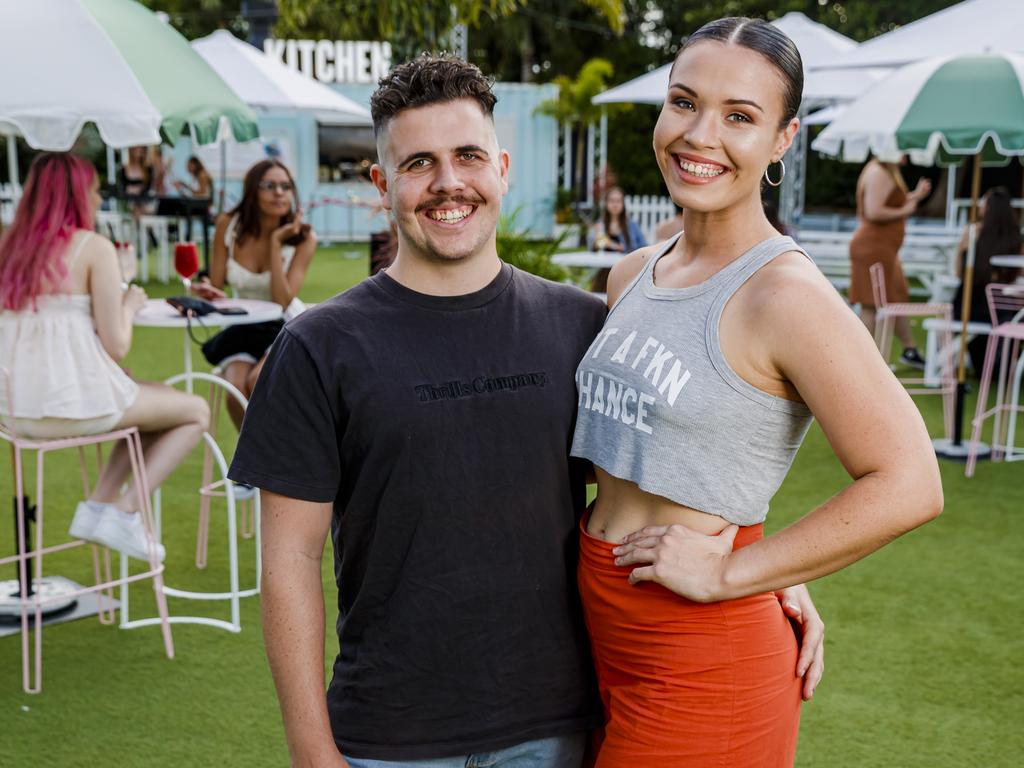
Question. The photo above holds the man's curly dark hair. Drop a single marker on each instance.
(429, 79)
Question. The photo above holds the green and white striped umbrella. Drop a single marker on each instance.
(113, 63)
(936, 111)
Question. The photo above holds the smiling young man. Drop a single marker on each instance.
(424, 417)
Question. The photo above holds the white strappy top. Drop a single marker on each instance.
(247, 284)
(56, 365)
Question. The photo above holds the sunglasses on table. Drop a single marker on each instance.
(273, 186)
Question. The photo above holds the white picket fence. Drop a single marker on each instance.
(9, 196)
(649, 211)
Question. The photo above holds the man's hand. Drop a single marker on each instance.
(810, 633)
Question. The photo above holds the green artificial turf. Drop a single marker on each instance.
(923, 637)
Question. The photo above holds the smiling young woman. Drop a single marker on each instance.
(720, 347)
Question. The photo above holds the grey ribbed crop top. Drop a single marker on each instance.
(660, 406)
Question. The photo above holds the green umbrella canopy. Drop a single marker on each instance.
(113, 63)
(937, 111)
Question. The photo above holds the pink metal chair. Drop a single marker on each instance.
(1006, 309)
(885, 325)
(32, 663)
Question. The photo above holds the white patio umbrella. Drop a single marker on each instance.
(818, 45)
(263, 83)
(973, 26)
(113, 63)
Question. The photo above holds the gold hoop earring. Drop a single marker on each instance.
(782, 175)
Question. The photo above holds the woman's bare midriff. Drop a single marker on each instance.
(622, 508)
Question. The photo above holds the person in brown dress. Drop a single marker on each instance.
(883, 206)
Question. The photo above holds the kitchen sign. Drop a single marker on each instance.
(333, 61)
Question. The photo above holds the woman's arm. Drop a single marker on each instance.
(878, 185)
(286, 286)
(874, 427)
(113, 309)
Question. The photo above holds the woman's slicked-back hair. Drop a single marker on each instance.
(54, 205)
(429, 79)
(768, 40)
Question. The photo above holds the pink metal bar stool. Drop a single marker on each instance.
(1006, 309)
(885, 324)
(33, 662)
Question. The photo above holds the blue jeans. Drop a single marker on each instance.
(554, 752)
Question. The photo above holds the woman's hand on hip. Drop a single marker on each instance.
(689, 563)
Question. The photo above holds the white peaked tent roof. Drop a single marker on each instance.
(817, 44)
(973, 26)
(262, 82)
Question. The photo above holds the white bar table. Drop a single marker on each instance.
(157, 313)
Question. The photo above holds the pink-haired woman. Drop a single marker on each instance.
(64, 323)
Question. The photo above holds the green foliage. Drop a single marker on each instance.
(533, 256)
(574, 104)
(411, 27)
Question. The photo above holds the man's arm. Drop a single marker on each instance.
(292, 603)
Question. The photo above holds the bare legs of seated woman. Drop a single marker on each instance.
(171, 422)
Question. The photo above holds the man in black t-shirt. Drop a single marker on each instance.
(424, 417)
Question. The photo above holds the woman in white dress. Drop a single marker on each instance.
(262, 250)
(65, 321)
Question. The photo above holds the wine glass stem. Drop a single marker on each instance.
(188, 285)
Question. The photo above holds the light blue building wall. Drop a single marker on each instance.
(531, 139)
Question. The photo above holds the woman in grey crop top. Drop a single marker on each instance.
(720, 346)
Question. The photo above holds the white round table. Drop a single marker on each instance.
(157, 313)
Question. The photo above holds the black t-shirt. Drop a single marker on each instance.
(440, 429)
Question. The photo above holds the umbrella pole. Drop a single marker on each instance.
(955, 449)
(223, 174)
(12, 161)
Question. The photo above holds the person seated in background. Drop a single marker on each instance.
(135, 180)
(200, 189)
(997, 234)
(158, 172)
(65, 321)
(262, 249)
(670, 227)
(203, 183)
(614, 232)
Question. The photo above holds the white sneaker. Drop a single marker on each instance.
(87, 518)
(125, 532)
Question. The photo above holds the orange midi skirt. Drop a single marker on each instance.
(685, 684)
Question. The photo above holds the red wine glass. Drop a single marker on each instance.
(186, 262)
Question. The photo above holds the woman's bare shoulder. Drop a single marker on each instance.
(627, 268)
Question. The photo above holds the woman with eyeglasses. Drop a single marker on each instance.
(262, 250)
